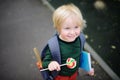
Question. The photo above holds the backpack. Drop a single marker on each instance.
(55, 52)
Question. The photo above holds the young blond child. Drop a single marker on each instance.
(69, 24)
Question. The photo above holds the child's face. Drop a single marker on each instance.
(69, 30)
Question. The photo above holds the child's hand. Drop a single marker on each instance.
(91, 73)
(39, 65)
(54, 66)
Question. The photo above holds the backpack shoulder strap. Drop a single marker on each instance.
(54, 48)
(55, 52)
(82, 39)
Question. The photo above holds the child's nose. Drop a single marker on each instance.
(72, 31)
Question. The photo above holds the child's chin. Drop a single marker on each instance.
(71, 40)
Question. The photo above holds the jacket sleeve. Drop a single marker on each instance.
(47, 58)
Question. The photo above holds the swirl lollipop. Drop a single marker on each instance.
(71, 63)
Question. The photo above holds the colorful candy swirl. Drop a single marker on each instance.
(71, 63)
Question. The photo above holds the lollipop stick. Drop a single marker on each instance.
(47, 68)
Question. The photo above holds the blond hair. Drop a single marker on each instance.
(65, 11)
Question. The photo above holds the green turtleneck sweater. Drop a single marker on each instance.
(67, 50)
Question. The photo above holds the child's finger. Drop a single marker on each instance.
(54, 66)
(91, 73)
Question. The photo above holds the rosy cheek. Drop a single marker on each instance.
(78, 32)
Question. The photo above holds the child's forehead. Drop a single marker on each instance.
(70, 22)
(71, 19)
